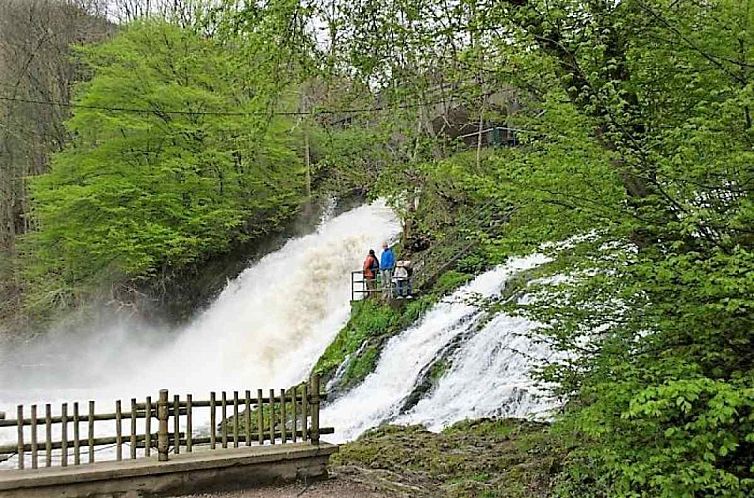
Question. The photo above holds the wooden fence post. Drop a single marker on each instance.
(315, 408)
(34, 446)
(177, 424)
(189, 424)
(48, 435)
(20, 420)
(162, 428)
(64, 435)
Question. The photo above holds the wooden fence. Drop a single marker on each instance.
(286, 415)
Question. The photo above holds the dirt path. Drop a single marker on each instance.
(336, 487)
(333, 489)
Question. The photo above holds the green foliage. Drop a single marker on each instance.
(136, 193)
(349, 159)
(635, 134)
(362, 365)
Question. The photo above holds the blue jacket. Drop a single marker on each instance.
(387, 260)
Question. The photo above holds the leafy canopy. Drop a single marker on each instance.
(136, 193)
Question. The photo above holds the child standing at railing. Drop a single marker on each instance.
(400, 277)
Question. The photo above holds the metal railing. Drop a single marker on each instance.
(360, 285)
(288, 415)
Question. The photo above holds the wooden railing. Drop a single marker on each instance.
(288, 415)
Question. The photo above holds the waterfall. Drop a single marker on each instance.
(488, 374)
(488, 377)
(266, 329)
(270, 325)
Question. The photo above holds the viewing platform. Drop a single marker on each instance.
(270, 437)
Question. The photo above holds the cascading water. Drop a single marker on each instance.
(484, 367)
(269, 326)
(489, 377)
(266, 329)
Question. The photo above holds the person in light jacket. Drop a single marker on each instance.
(400, 277)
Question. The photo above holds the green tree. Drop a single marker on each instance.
(174, 158)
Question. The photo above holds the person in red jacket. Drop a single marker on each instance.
(371, 267)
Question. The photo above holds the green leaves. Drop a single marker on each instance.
(137, 193)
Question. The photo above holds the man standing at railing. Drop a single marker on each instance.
(387, 264)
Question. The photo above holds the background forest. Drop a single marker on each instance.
(138, 142)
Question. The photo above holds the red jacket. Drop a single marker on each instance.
(369, 263)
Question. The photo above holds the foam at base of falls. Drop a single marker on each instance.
(379, 397)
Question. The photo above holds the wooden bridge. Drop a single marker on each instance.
(257, 437)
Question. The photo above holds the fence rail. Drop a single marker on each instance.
(360, 285)
(281, 416)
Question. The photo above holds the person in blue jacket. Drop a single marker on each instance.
(387, 264)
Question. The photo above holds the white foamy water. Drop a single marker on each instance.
(266, 329)
(489, 377)
(380, 396)
(271, 324)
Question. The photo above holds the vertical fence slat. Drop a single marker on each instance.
(118, 431)
(315, 409)
(283, 420)
(260, 416)
(64, 435)
(235, 419)
(272, 416)
(76, 435)
(20, 420)
(48, 435)
(248, 417)
(90, 426)
(304, 413)
(212, 421)
(224, 424)
(177, 424)
(189, 424)
(133, 428)
(148, 427)
(162, 428)
(294, 415)
(34, 447)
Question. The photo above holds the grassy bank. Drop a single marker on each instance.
(486, 458)
(357, 346)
